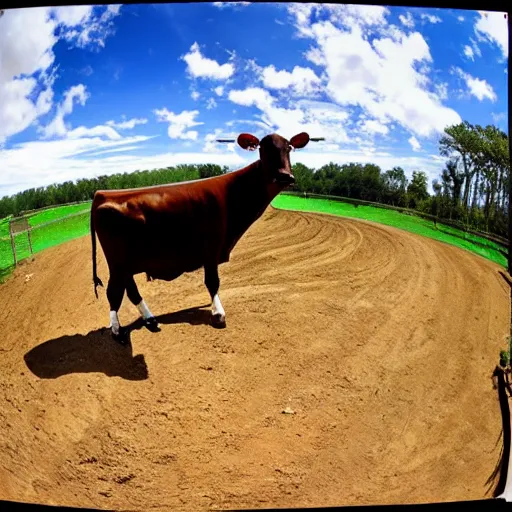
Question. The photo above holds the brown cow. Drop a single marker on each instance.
(167, 230)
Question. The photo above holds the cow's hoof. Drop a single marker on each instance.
(152, 324)
(122, 337)
(219, 321)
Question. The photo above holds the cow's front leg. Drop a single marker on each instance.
(212, 282)
(115, 293)
(135, 298)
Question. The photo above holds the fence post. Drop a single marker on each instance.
(13, 244)
(29, 240)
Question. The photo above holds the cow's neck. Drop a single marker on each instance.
(248, 196)
(252, 191)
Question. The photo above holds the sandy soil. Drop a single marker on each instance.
(381, 342)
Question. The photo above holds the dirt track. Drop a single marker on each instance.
(381, 342)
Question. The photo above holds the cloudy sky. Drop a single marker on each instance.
(96, 90)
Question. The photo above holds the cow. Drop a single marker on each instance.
(165, 231)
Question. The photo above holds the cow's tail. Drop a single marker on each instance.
(96, 280)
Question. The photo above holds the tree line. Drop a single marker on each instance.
(84, 189)
(471, 189)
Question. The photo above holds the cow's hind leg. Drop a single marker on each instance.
(115, 293)
(133, 294)
(212, 282)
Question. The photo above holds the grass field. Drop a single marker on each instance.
(74, 223)
(443, 233)
(47, 232)
(57, 213)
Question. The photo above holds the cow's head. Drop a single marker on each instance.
(275, 154)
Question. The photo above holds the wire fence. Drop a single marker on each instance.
(21, 237)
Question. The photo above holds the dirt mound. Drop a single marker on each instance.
(377, 343)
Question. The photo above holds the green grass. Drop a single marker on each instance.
(4, 227)
(411, 223)
(44, 236)
(57, 213)
(59, 232)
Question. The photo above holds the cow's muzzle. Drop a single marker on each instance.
(285, 178)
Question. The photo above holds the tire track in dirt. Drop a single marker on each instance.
(380, 341)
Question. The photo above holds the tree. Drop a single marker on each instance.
(324, 180)
(418, 188)
(209, 170)
(461, 139)
(371, 183)
(303, 178)
(395, 186)
(436, 200)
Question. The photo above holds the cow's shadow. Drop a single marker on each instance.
(98, 352)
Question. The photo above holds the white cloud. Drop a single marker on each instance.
(23, 53)
(499, 117)
(373, 126)
(346, 15)
(251, 96)
(469, 53)
(247, 122)
(407, 20)
(302, 81)
(226, 5)
(199, 66)
(179, 124)
(441, 90)
(413, 141)
(475, 47)
(127, 125)
(361, 15)
(84, 27)
(122, 149)
(57, 127)
(219, 90)
(431, 18)
(211, 103)
(479, 88)
(315, 117)
(195, 95)
(97, 131)
(381, 77)
(68, 159)
(73, 15)
(460, 18)
(492, 27)
(27, 59)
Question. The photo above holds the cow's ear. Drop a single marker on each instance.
(248, 141)
(300, 140)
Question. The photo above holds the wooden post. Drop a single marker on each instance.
(13, 243)
(29, 240)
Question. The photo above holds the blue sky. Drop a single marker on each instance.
(99, 90)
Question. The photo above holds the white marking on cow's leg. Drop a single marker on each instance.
(217, 310)
(144, 310)
(114, 322)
